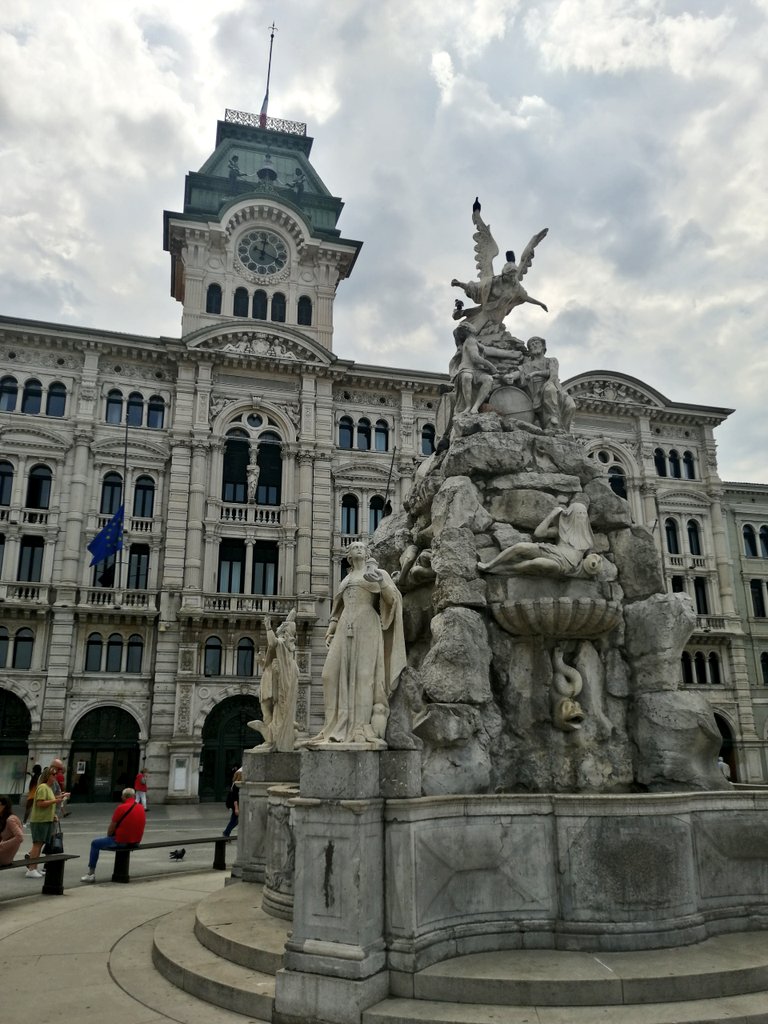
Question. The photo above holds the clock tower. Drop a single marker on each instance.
(257, 238)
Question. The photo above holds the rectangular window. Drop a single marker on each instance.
(758, 599)
(265, 556)
(31, 560)
(700, 595)
(678, 584)
(138, 567)
(231, 566)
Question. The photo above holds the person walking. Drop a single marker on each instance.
(233, 802)
(59, 781)
(11, 832)
(42, 817)
(125, 829)
(140, 785)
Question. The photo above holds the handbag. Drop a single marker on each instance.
(55, 842)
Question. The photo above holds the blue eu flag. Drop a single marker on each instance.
(109, 540)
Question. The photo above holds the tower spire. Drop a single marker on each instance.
(265, 104)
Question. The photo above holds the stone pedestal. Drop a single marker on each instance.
(277, 896)
(261, 771)
(335, 960)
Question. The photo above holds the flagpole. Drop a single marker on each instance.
(119, 574)
(265, 104)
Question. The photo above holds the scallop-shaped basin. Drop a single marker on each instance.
(558, 616)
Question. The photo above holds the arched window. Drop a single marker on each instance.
(4, 647)
(138, 567)
(31, 560)
(764, 667)
(270, 462)
(9, 391)
(39, 487)
(93, 646)
(689, 466)
(135, 653)
(278, 308)
(212, 657)
(364, 434)
(375, 512)
(381, 435)
(6, 483)
(618, 481)
(687, 668)
(237, 453)
(32, 398)
(114, 412)
(213, 299)
(56, 400)
(135, 409)
(114, 661)
(694, 537)
(23, 643)
(349, 509)
(715, 678)
(700, 668)
(240, 302)
(144, 497)
(156, 412)
(700, 598)
(245, 653)
(259, 304)
(674, 464)
(427, 439)
(660, 461)
(304, 311)
(673, 543)
(346, 431)
(750, 542)
(764, 541)
(111, 494)
(758, 599)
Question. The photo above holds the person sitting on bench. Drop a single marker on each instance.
(125, 829)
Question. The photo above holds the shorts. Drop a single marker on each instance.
(41, 831)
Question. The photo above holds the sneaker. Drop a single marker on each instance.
(33, 873)
(88, 878)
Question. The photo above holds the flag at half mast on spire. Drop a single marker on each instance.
(263, 112)
(109, 540)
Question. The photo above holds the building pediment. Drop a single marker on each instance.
(112, 449)
(356, 475)
(613, 389)
(32, 437)
(283, 346)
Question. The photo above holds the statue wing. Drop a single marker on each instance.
(527, 258)
(485, 246)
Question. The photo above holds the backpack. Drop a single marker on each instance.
(229, 802)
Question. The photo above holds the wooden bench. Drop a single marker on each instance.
(53, 884)
(122, 854)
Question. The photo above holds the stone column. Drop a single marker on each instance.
(722, 558)
(335, 959)
(304, 527)
(198, 488)
(78, 492)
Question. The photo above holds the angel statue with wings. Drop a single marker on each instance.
(496, 295)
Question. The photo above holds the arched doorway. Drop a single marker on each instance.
(225, 736)
(727, 751)
(15, 727)
(104, 756)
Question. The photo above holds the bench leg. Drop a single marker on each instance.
(220, 855)
(54, 879)
(121, 872)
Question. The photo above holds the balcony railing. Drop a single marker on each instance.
(107, 597)
(31, 593)
(141, 524)
(708, 623)
(259, 515)
(262, 604)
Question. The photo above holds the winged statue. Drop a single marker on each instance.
(496, 295)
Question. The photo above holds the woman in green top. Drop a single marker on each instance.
(41, 818)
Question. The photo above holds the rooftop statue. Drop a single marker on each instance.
(496, 295)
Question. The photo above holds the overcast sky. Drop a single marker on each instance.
(635, 130)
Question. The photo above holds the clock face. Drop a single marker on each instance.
(262, 252)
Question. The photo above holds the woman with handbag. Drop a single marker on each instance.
(41, 818)
(30, 799)
(11, 832)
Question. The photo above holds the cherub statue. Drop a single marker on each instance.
(496, 294)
